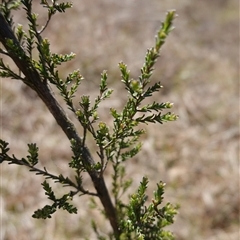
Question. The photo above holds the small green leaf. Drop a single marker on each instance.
(33, 151)
(45, 212)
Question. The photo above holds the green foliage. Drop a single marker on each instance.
(62, 202)
(147, 222)
(7, 6)
(136, 219)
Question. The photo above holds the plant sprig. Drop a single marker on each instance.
(135, 219)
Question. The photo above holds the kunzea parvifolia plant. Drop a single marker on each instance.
(135, 218)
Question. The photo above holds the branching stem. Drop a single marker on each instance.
(33, 80)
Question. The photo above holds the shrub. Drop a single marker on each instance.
(135, 219)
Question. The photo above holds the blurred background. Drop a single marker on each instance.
(197, 156)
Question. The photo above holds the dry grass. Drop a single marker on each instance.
(197, 156)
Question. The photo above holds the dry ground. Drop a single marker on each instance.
(197, 156)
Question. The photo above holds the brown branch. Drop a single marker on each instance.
(33, 80)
